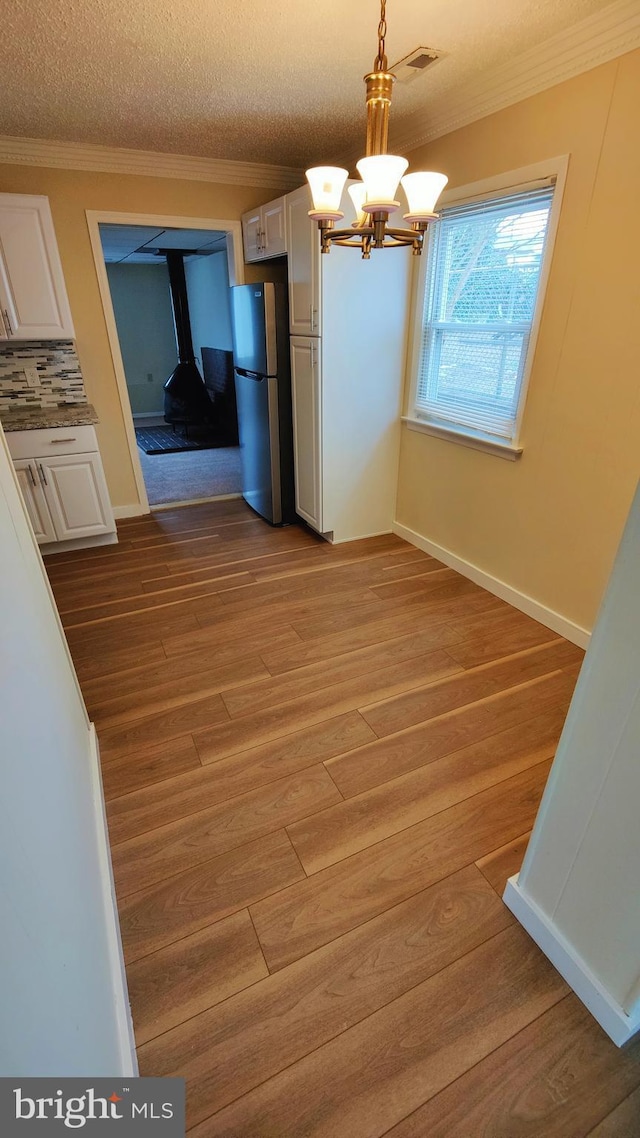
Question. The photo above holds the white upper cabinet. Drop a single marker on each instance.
(251, 232)
(263, 231)
(33, 297)
(274, 242)
(304, 265)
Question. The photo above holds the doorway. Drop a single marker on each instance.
(177, 457)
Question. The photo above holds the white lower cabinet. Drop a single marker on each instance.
(35, 501)
(65, 494)
(307, 428)
(76, 493)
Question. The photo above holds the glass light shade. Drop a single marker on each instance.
(381, 174)
(423, 190)
(327, 184)
(357, 194)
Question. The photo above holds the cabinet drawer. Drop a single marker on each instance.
(51, 441)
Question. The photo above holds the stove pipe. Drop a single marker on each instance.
(185, 396)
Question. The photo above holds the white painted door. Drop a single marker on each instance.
(303, 247)
(76, 494)
(273, 229)
(34, 500)
(307, 428)
(33, 296)
(251, 235)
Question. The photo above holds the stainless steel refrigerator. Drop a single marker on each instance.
(260, 322)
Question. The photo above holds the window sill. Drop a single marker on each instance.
(464, 438)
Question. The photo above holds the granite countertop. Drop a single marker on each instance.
(34, 418)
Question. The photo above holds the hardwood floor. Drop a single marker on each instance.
(321, 764)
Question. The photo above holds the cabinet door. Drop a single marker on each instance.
(273, 229)
(32, 290)
(76, 494)
(307, 427)
(303, 247)
(252, 235)
(34, 500)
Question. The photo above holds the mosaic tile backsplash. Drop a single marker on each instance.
(58, 368)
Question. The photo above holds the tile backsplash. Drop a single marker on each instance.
(58, 370)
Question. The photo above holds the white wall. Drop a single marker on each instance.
(144, 318)
(209, 307)
(579, 880)
(63, 1008)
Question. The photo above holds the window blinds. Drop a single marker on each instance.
(480, 299)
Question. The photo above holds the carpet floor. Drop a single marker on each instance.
(188, 475)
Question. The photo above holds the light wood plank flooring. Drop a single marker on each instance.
(321, 764)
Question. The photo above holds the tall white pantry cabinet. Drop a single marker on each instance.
(348, 325)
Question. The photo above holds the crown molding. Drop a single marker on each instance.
(593, 41)
(117, 160)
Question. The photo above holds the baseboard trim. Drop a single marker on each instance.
(621, 1028)
(549, 617)
(49, 548)
(333, 540)
(128, 1063)
(135, 511)
(194, 502)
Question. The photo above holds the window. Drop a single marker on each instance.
(478, 311)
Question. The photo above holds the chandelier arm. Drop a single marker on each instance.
(404, 234)
(350, 244)
(400, 238)
(329, 232)
(399, 235)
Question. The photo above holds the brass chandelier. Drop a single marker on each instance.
(381, 173)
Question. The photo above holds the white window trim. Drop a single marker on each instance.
(525, 178)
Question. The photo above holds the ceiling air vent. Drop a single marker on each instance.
(415, 64)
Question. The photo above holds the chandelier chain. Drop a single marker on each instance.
(381, 58)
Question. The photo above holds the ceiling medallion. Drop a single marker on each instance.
(374, 196)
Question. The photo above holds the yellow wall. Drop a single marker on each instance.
(70, 193)
(549, 524)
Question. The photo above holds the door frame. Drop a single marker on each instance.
(235, 262)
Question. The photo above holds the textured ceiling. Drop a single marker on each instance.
(276, 82)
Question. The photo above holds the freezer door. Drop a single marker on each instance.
(253, 311)
(257, 400)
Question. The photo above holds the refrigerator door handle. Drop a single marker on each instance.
(249, 374)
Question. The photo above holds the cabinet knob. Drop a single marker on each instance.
(32, 475)
(57, 442)
(7, 322)
(43, 477)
